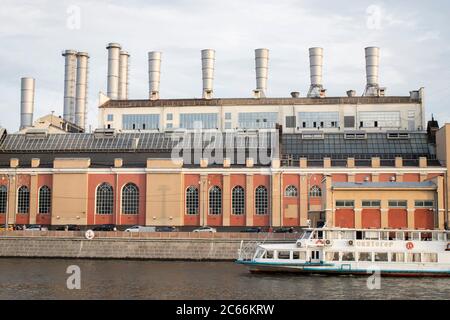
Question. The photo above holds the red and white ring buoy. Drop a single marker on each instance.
(409, 245)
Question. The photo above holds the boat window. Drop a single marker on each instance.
(425, 236)
(413, 257)
(429, 257)
(284, 254)
(348, 234)
(348, 256)
(384, 235)
(359, 235)
(259, 254)
(306, 234)
(381, 256)
(332, 256)
(365, 256)
(371, 235)
(397, 257)
(320, 234)
(399, 235)
(415, 235)
(269, 255)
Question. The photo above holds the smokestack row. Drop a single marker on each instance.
(75, 87)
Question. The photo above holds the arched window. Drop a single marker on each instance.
(238, 200)
(130, 199)
(291, 191)
(315, 191)
(192, 200)
(261, 200)
(215, 200)
(45, 200)
(105, 199)
(23, 200)
(3, 198)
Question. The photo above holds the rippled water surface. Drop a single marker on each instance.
(119, 279)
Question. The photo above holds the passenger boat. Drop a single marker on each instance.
(355, 252)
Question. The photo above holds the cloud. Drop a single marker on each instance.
(34, 33)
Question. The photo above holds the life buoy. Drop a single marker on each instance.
(409, 245)
(350, 242)
(328, 242)
(319, 242)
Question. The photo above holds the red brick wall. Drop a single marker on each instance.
(345, 218)
(291, 179)
(423, 219)
(361, 176)
(398, 218)
(411, 177)
(371, 218)
(339, 177)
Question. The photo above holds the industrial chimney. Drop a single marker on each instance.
(123, 75)
(81, 89)
(316, 89)
(154, 73)
(69, 85)
(261, 68)
(372, 66)
(208, 57)
(27, 86)
(113, 70)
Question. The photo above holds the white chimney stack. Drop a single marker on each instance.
(123, 75)
(154, 74)
(262, 69)
(27, 86)
(316, 89)
(208, 59)
(81, 89)
(372, 66)
(113, 70)
(70, 69)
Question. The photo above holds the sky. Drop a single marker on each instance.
(413, 37)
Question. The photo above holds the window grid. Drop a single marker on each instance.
(424, 203)
(105, 199)
(261, 200)
(315, 191)
(319, 119)
(371, 203)
(140, 121)
(215, 200)
(3, 199)
(385, 119)
(238, 200)
(198, 120)
(345, 203)
(397, 203)
(191, 200)
(130, 199)
(257, 120)
(45, 200)
(23, 200)
(291, 191)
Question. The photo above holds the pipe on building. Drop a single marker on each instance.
(81, 89)
(208, 59)
(113, 70)
(315, 67)
(123, 75)
(70, 70)
(262, 70)
(154, 74)
(372, 65)
(27, 86)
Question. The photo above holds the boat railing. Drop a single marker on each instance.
(247, 250)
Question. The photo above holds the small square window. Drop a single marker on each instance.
(169, 125)
(169, 116)
(227, 125)
(227, 115)
(109, 117)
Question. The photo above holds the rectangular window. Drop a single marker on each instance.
(397, 257)
(332, 256)
(169, 125)
(345, 203)
(365, 256)
(109, 117)
(227, 125)
(322, 119)
(413, 257)
(371, 203)
(397, 203)
(198, 120)
(227, 115)
(290, 122)
(269, 255)
(299, 255)
(429, 257)
(169, 117)
(349, 121)
(284, 254)
(424, 203)
(348, 256)
(140, 121)
(381, 256)
(257, 120)
(384, 119)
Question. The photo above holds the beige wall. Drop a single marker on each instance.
(442, 153)
(69, 198)
(164, 199)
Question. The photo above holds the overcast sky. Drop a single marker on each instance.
(413, 37)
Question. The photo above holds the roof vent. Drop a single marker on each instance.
(36, 133)
(355, 135)
(398, 135)
(295, 94)
(351, 93)
(314, 135)
(104, 133)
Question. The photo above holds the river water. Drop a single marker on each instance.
(126, 279)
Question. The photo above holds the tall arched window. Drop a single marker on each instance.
(291, 191)
(3, 199)
(315, 191)
(45, 200)
(105, 199)
(215, 200)
(23, 200)
(238, 200)
(192, 200)
(130, 199)
(261, 200)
